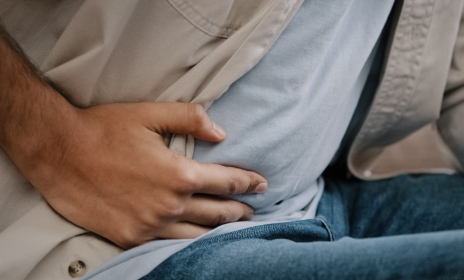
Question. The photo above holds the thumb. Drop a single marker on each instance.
(187, 118)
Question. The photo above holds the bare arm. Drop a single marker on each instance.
(107, 169)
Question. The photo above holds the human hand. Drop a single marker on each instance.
(113, 175)
(107, 168)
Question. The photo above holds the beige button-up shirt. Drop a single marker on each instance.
(103, 51)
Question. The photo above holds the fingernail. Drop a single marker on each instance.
(261, 188)
(219, 131)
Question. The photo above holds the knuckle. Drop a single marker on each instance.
(128, 238)
(252, 184)
(148, 219)
(188, 181)
(196, 115)
(187, 178)
(222, 217)
(171, 207)
(233, 184)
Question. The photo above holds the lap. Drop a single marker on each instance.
(419, 256)
(404, 204)
(404, 227)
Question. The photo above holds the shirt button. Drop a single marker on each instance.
(367, 173)
(77, 269)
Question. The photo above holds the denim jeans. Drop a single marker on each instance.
(407, 227)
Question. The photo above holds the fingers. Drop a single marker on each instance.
(221, 180)
(203, 213)
(182, 118)
(209, 211)
(208, 178)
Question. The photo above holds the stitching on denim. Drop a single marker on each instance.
(326, 226)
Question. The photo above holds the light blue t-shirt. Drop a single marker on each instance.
(285, 119)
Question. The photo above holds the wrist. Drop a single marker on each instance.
(34, 131)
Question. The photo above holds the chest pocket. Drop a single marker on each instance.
(220, 18)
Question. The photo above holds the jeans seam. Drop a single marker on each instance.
(326, 226)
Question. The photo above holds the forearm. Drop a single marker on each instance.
(107, 169)
(30, 109)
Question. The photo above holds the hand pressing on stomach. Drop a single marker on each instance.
(107, 169)
(117, 178)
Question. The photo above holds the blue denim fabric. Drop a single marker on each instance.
(407, 227)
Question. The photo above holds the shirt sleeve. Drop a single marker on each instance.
(450, 126)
